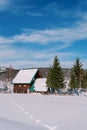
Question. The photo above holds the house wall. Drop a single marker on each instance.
(21, 88)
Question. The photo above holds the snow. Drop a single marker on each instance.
(10, 87)
(67, 82)
(25, 76)
(42, 112)
(1, 84)
(40, 85)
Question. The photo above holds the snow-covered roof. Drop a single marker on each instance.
(40, 85)
(25, 76)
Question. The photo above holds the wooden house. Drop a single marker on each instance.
(24, 80)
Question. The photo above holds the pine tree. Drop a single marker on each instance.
(55, 78)
(84, 82)
(76, 75)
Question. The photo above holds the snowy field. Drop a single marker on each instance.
(42, 112)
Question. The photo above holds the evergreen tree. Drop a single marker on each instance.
(84, 82)
(55, 78)
(76, 75)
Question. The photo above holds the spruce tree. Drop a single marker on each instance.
(84, 82)
(76, 75)
(55, 78)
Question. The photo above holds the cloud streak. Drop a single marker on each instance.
(64, 35)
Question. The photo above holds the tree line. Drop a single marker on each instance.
(56, 81)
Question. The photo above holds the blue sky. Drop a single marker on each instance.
(32, 32)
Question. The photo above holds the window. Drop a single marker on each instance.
(24, 85)
(19, 85)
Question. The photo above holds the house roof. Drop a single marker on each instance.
(40, 85)
(25, 76)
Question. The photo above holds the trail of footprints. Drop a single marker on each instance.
(32, 117)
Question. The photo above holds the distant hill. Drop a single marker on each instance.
(44, 72)
(7, 73)
(10, 73)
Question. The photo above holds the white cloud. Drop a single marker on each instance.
(25, 58)
(65, 36)
(36, 63)
(30, 64)
(7, 54)
(41, 58)
(67, 64)
(20, 58)
(4, 40)
(4, 4)
(33, 13)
